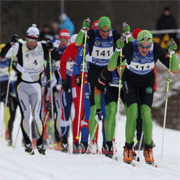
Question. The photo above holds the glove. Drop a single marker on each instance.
(120, 43)
(14, 39)
(49, 45)
(65, 85)
(99, 116)
(126, 28)
(48, 105)
(86, 24)
(78, 80)
(172, 46)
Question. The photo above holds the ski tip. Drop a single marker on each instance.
(77, 137)
(130, 163)
(1, 136)
(14, 147)
(152, 164)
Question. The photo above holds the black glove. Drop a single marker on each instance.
(48, 105)
(49, 45)
(78, 80)
(65, 85)
(14, 39)
(100, 86)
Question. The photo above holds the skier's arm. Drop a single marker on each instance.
(80, 36)
(160, 54)
(7, 50)
(54, 52)
(78, 61)
(68, 52)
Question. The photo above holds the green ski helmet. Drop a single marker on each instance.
(144, 36)
(104, 22)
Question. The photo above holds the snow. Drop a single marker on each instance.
(19, 165)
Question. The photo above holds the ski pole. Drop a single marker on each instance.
(166, 101)
(50, 69)
(7, 92)
(119, 94)
(47, 115)
(82, 86)
(137, 158)
(14, 146)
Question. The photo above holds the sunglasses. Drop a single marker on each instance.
(142, 46)
(64, 40)
(104, 30)
(31, 40)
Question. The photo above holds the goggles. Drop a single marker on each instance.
(64, 40)
(142, 46)
(31, 40)
(104, 30)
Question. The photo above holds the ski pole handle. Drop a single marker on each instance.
(125, 24)
(88, 20)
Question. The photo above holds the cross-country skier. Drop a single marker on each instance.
(138, 77)
(30, 55)
(102, 44)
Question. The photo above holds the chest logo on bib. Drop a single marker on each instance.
(149, 90)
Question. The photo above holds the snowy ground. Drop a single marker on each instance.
(18, 165)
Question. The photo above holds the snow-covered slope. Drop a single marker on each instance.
(18, 165)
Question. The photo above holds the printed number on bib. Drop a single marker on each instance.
(103, 53)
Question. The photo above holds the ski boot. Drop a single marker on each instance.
(76, 148)
(109, 147)
(104, 148)
(28, 149)
(83, 147)
(148, 154)
(41, 149)
(128, 153)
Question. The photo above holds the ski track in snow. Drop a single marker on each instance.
(19, 165)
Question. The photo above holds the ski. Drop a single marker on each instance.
(130, 163)
(116, 159)
(152, 164)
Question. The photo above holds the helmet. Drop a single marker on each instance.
(32, 32)
(64, 34)
(95, 24)
(104, 22)
(136, 32)
(144, 36)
